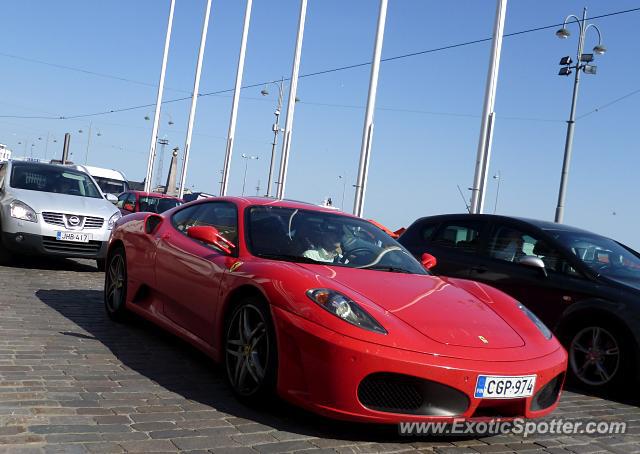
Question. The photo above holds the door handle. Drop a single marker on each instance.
(479, 269)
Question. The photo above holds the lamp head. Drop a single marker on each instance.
(600, 49)
(264, 92)
(563, 33)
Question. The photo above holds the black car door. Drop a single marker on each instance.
(546, 292)
(455, 245)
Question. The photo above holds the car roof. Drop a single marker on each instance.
(44, 165)
(283, 203)
(154, 194)
(543, 225)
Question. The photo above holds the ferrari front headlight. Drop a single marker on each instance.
(546, 332)
(345, 308)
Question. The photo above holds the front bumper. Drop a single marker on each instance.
(31, 244)
(322, 371)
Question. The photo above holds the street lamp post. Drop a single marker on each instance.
(498, 178)
(344, 187)
(276, 131)
(582, 64)
(246, 163)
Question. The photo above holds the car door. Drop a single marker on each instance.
(189, 272)
(547, 293)
(455, 245)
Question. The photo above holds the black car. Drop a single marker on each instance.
(584, 286)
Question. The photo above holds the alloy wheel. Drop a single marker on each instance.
(247, 350)
(115, 282)
(594, 356)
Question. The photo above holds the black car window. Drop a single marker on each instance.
(221, 215)
(426, 231)
(462, 236)
(512, 244)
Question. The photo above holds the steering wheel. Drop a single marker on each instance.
(357, 254)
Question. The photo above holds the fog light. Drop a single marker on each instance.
(19, 238)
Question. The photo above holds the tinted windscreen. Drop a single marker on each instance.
(310, 236)
(110, 186)
(158, 204)
(602, 255)
(59, 180)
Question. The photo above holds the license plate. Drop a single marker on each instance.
(73, 236)
(500, 387)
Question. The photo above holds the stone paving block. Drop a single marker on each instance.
(148, 446)
(204, 443)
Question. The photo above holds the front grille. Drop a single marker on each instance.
(396, 393)
(50, 244)
(93, 223)
(90, 222)
(53, 218)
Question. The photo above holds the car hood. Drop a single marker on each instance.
(49, 201)
(436, 308)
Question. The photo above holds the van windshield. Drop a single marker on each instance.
(110, 186)
(51, 178)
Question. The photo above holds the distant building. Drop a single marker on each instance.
(5, 153)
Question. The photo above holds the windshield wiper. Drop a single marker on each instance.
(391, 269)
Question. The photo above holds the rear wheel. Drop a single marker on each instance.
(250, 351)
(115, 286)
(601, 357)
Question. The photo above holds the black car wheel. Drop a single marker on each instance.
(115, 286)
(250, 351)
(600, 355)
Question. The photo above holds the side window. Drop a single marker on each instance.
(426, 231)
(461, 236)
(221, 215)
(511, 245)
(121, 199)
(131, 200)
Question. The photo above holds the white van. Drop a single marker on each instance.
(110, 181)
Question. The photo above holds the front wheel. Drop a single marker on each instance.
(250, 351)
(115, 286)
(600, 356)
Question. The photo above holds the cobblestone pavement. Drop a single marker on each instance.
(72, 381)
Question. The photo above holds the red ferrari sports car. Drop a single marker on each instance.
(330, 313)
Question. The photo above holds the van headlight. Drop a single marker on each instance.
(345, 308)
(113, 219)
(21, 210)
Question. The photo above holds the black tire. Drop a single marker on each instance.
(250, 352)
(602, 357)
(5, 255)
(115, 286)
(101, 264)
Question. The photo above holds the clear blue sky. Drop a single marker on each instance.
(429, 106)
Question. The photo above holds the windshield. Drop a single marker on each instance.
(602, 255)
(158, 204)
(110, 186)
(316, 237)
(59, 180)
